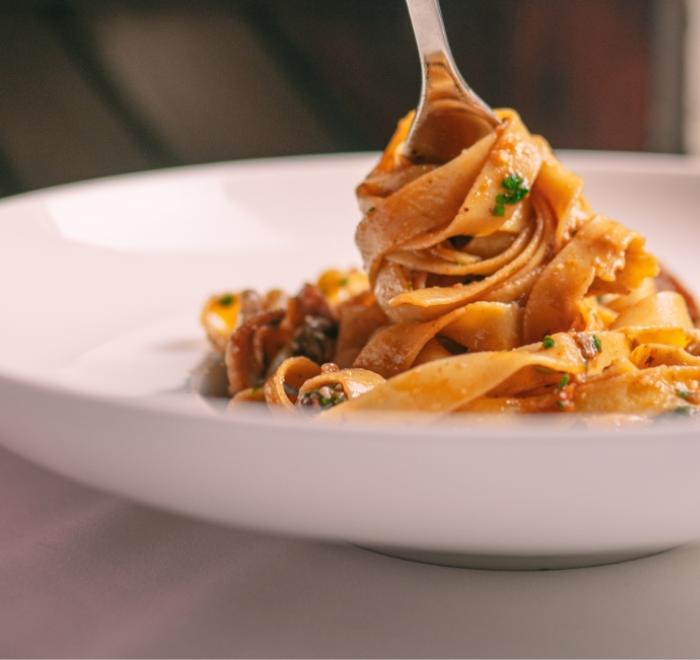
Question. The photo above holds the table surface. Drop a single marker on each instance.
(84, 574)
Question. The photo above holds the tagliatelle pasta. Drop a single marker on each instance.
(489, 285)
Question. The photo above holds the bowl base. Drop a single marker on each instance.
(515, 562)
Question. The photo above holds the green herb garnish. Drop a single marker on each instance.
(548, 342)
(682, 410)
(344, 282)
(515, 192)
(323, 398)
(500, 208)
(683, 393)
(678, 411)
(513, 183)
(597, 343)
(226, 299)
(563, 381)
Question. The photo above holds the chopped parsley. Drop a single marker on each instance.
(500, 208)
(678, 411)
(513, 183)
(682, 410)
(515, 192)
(323, 398)
(226, 300)
(682, 392)
(563, 381)
(344, 282)
(548, 342)
(590, 345)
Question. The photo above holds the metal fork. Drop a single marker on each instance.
(450, 115)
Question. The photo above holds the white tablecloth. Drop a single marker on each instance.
(86, 574)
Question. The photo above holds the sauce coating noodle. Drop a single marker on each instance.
(489, 285)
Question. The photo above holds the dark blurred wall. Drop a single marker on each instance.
(90, 88)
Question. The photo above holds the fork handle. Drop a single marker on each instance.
(429, 29)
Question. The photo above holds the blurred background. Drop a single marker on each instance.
(97, 87)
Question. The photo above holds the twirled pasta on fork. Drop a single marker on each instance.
(489, 285)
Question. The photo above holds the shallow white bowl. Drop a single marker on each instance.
(101, 285)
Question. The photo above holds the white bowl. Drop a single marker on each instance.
(101, 285)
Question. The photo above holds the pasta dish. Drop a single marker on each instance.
(489, 285)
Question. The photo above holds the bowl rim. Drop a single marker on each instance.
(543, 428)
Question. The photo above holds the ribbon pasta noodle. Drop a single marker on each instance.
(489, 285)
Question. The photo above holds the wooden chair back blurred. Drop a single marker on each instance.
(91, 88)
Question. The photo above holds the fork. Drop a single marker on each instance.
(450, 116)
